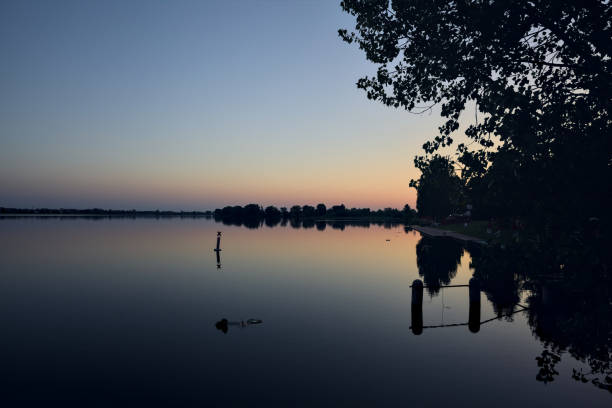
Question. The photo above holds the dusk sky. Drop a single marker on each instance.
(194, 105)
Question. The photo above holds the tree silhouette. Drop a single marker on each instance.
(439, 188)
(437, 260)
(540, 77)
(321, 210)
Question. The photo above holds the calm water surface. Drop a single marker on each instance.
(123, 312)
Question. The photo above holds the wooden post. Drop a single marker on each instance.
(417, 292)
(474, 312)
(218, 248)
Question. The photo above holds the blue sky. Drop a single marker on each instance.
(193, 105)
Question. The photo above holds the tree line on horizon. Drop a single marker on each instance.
(307, 212)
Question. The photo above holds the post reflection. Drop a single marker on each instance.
(563, 317)
(218, 250)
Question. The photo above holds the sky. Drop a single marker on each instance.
(194, 105)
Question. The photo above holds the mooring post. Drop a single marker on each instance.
(474, 312)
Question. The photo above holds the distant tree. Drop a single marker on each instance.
(284, 213)
(295, 212)
(235, 212)
(338, 210)
(272, 216)
(321, 210)
(272, 212)
(438, 188)
(308, 211)
(392, 213)
(253, 211)
(408, 213)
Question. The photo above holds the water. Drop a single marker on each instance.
(122, 312)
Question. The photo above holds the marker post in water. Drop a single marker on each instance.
(218, 249)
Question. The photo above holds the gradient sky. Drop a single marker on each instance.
(194, 105)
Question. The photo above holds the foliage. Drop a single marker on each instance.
(540, 76)
(321, 209)
(438, 188)
(308, 211)
(295, 211)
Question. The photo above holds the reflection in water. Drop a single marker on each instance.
(321, 284)
(218, 259)
(218, 250)
(308, 223)
(437, 260)
(474, 313)
(575, 322)
(498, 277)
(567, 313)
(272, 221)
(297, 222)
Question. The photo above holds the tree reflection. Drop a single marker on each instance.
(568, 313)
(497, 274)
(574, 322)
(437, 260)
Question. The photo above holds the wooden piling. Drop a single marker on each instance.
(218, 248)
(474, 311)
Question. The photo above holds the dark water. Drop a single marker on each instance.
(122, 312)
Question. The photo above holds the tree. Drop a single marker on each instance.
(321, 210)
(408, 213)
(252, 211)
(438, 188)
(284, 212)
(272, 212)
(540, 76)
(437, 260)
(338, 210)
(295, 212)
(308, 211)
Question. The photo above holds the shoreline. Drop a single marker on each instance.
(436, 232)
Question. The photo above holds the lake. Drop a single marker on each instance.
(127, 312)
